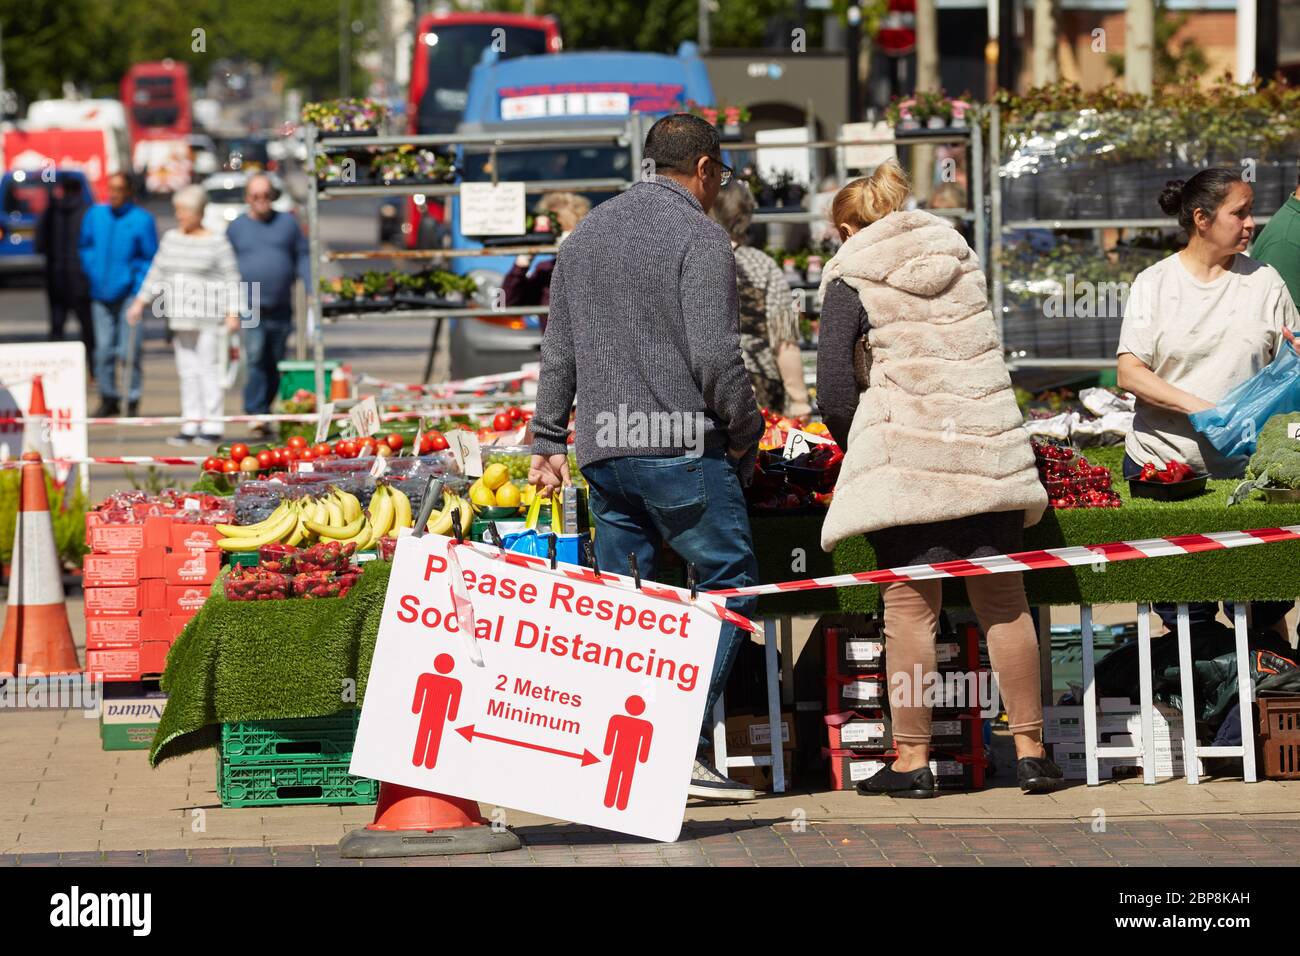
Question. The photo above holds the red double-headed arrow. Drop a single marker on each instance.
(469, 733)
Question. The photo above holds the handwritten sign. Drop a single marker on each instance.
(365, 416)
(323, 422)
(800, 442)
(469, 455)
(492, 210)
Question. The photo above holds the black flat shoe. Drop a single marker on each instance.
(1038, 775)
(915, 784)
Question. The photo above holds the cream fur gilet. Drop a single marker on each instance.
(937, 434)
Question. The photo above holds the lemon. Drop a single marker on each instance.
(495, 476)
(508, 496)
(482, 496)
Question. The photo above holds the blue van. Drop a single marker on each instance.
(565, 92)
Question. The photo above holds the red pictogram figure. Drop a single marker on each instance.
(628, 739)
(437, 698)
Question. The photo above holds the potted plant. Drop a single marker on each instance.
(346, 117)
(902, 114)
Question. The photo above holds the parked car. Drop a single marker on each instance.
(226, 199)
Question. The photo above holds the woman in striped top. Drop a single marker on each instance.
(194, 283)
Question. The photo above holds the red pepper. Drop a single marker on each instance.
(1148, 472)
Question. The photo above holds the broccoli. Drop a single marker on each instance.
(1275, 454)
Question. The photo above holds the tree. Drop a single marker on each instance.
(1173, 63)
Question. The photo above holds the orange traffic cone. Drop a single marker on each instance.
(411, 822)
(36, 433)
(36, 637)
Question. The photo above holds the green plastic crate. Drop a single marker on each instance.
(309, 740)
(295, 375)
(247, 558)
(291, 784)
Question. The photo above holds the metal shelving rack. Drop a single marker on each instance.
(629, 135)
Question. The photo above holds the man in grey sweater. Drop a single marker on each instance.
(644, 333)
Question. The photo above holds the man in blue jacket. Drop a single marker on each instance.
(118, 241)
(272, 253)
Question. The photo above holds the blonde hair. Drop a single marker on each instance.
(192, 197)
(566, 205)
(870, 198)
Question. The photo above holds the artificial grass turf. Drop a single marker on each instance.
(282, 659)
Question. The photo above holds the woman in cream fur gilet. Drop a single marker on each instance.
(937, 465)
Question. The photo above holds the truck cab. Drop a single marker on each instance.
(563, 93)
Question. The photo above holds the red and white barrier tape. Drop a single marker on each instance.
(462, 409)
(999, 564)
(1073, 556)
(461, 385)
(177, 460)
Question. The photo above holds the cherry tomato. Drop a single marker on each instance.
(395, 441)
(437, 441)
(238, 452)
(295, 454)
(212, 463)
(297, 441)
(340, 447)
(366, 447)
(306, 454)
(502, 422)
(228, 465)
(322, 449)
(516, 413)
(277, 456)
(265, 459)
(349, 448)
(426, 444)
(249, 464)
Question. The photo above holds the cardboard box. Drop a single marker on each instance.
(121, 570)
(151, 533)
(125, 601)
(950, 655)
(129, 723)
(192, 536)
(760, 778)
(116, 633)
(1062, 725)
(184, 600)
(146, 659)
(191, 567)
(176, 623)
(750, 734)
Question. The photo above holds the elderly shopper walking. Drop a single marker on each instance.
(937, 466)
(769, 325)
(194, 284)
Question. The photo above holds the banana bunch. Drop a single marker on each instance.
(337, 516)
(440, 522)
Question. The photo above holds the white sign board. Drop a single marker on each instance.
(588, 707)
(537, 105)
(867, 157)
(464, 445)
(364, 416)
(488, 210)
(793, 160)
(62, 367)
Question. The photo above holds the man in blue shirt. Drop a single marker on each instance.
(118, 241)
(272, 252)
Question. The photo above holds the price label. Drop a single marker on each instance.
(305, 466)
(1293, 431)
(365, 416)
(419, 437)
(323, 422)
(469, 455)
(800, 442)
(379, 467)
(191, 504)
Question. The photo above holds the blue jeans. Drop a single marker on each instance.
(263, 349)
(112, 336)
(1263, 614)
(695, 506)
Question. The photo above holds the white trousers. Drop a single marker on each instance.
(203, 395)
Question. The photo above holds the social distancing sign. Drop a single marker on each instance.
(588, 707)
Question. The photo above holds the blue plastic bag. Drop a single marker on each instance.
(1233, 425)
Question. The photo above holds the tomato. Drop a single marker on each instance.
(526, 416)
(502, 422)
(349, 448)
(340, 447)
(395, 441)
(516, 413)
(249, 464)
(437, 441)
(297, 441)
(322, 449)
(238, 452)
(228, 465)
(366, 447)
(277, 456)
(295, 454)
(265, 459)
(212, 463)
(306, 454)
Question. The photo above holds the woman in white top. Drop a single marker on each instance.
(1199, 323)
(195, 279)
(1196, 325)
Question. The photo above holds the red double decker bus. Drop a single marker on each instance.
(447, 46)
(156, 97)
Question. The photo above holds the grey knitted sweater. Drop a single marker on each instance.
(644, 334)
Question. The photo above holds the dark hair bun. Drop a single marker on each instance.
(1171, 200)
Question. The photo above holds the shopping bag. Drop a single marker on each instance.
(1233, 425)
(568, 547)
